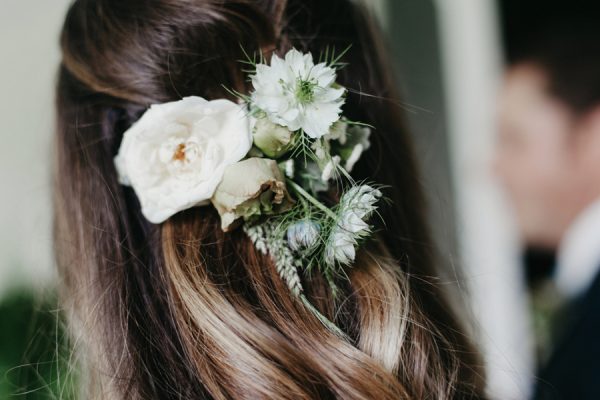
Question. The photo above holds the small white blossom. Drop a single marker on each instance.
(354, 157)
(296, 93)
(330, 168)
(356, 206)
(340, 249)
(344, 238)
(362, 199)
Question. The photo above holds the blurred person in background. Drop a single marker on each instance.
(548, 159)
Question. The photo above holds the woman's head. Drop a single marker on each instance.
(183, 310)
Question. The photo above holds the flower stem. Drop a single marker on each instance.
(311, 199)
(323, 319)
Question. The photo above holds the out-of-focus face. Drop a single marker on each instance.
(536, 158)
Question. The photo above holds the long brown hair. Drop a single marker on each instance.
(182, 310)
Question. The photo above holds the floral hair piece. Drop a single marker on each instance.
(264, 162)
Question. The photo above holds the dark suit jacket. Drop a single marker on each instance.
(573, 371)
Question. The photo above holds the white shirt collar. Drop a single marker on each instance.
(579, 253)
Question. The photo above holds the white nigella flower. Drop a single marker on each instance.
(356, 206)
(362, 199)
(175, 155)
(344, 238)
(303, 235)
(296, 93)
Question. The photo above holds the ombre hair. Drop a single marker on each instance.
(182, 310)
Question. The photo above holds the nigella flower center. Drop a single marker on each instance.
(305, 91)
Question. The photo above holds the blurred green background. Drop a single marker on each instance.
(36, 361)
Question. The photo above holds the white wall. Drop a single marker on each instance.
(488, 241)
(29, 57)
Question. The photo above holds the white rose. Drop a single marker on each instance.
(174, 157)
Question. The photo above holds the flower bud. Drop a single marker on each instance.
(272, 139)
(250, 188)
(303, 235)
